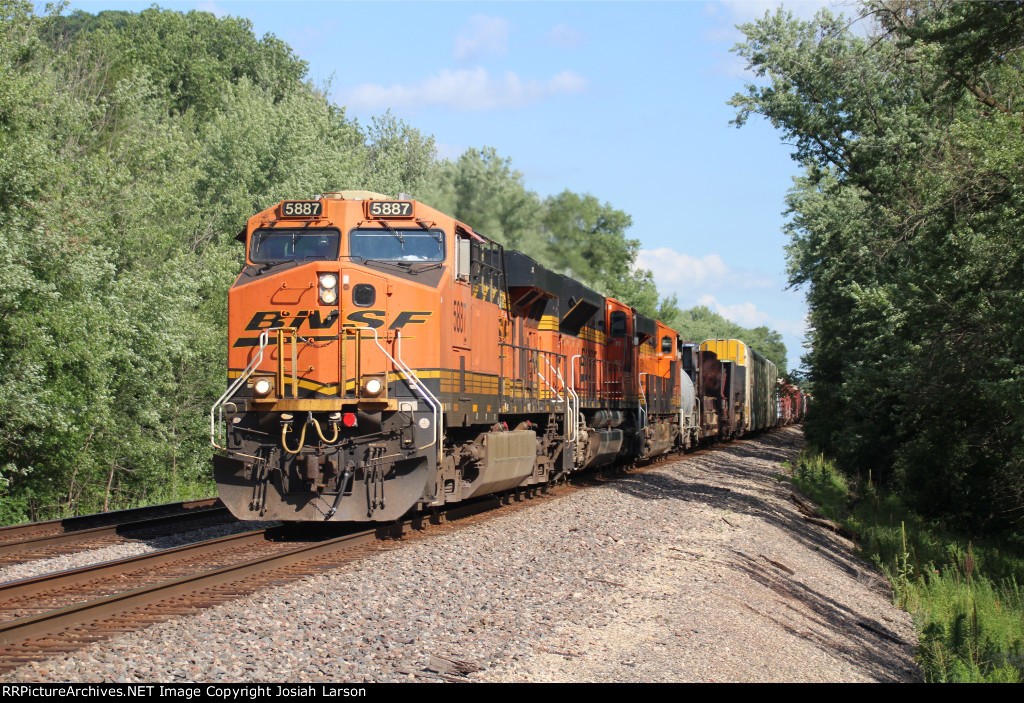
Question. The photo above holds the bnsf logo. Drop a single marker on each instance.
(316, 320)
(264, 320)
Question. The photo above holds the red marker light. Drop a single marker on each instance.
(349, 419)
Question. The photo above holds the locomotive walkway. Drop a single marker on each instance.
(693, 570)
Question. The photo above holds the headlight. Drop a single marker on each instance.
(263, 386)
(373, 386)
(328, 289)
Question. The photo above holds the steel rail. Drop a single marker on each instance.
(82, 522)
(52, 622)
(45, 541)
(119, 567)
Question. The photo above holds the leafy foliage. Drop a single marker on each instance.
(118, 185)
(188, 58)
(905, 230)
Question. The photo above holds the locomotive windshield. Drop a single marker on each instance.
(397, 244)
(279, 244)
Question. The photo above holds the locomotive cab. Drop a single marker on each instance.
(325, 417)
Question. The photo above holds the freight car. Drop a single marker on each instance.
(385, 357)
(792, 403)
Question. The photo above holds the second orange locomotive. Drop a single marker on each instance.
(385, 357)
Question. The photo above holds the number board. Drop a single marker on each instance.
(389, 208)
(301, 208)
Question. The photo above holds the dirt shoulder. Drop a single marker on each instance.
(740, 588)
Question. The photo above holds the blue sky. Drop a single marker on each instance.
(623, 100)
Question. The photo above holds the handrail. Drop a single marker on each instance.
(642, 406)
(570, 411)
(543, 355)
(242, 378)
(416, 385)
(575, 410)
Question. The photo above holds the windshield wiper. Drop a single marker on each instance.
(267, 265)
(396, 262)
(394, 232)
(407, 265)
(432, 233)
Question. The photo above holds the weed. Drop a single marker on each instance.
(965, 597)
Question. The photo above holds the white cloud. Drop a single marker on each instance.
(747, 314)
(688, 276)
(565, 37)
(680, 272)
(212, 8)
(466, 91)
(481, 36)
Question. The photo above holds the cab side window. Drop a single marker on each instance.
(617, 323)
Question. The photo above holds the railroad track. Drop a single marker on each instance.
(20, 543)
(62, 612)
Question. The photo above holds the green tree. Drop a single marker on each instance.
(188, 57)
(400, 159)
(905, 231)
(587, 240)
(482, 189)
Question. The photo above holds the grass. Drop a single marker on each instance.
(966, 597)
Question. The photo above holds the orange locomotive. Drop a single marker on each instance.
(385, 357)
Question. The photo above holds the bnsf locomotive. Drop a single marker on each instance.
(385, 357)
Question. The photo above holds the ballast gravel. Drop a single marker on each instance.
(699, 569)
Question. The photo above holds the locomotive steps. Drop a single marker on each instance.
(680, 572)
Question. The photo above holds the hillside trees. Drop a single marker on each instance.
(91, 330)
(122, 189)
(906, 232)
(188, 57)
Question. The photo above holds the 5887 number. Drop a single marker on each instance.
(398, 208)
(301, 208)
